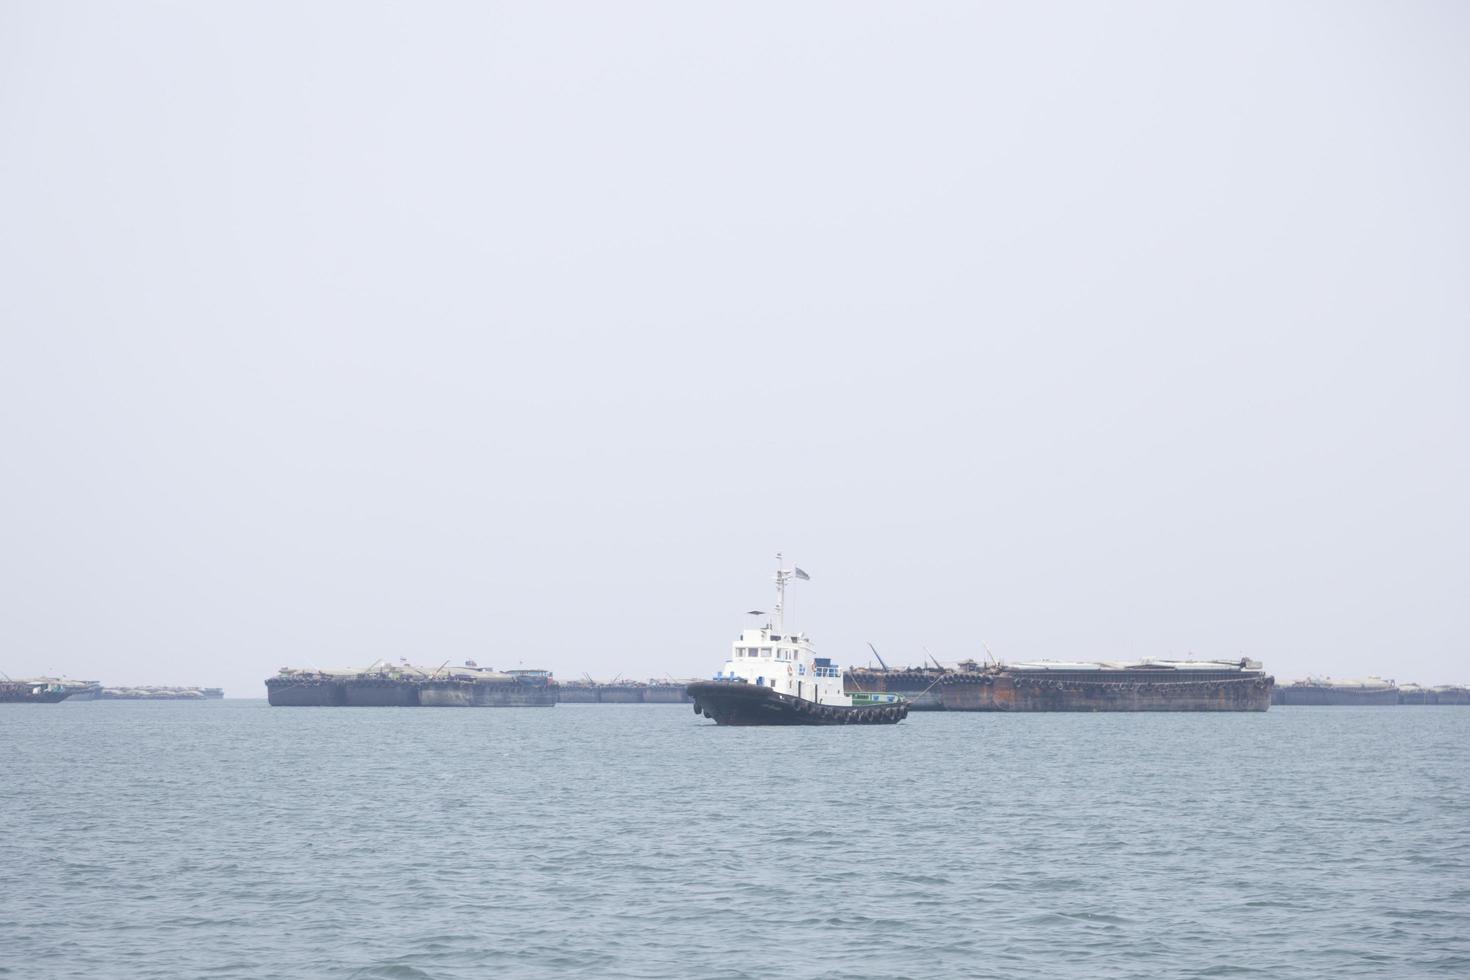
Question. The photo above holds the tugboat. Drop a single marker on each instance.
(776, 678)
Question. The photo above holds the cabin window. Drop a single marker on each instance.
(765, 651)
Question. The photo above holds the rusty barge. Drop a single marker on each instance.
(918, 685)
(1146, 685)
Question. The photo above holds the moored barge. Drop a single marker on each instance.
(405, 686)
(624, 692)
(1147, 685)
(471, 686)
(1325, 691)
(917, 685)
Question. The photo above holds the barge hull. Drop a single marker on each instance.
(304, 694)
(920, 688)
(1302, 694)
(467, 694)
(1009, 692)
(360, 693)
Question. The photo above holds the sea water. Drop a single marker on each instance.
(234, 840)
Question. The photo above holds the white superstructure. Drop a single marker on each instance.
(787, 662)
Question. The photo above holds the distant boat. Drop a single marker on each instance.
(44, 690)
(775, 678)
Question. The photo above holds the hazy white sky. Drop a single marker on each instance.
(530, 333)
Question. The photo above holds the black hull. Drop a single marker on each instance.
(733, 703)
(468, 694)
(304, 694)
(387, 693)
(46, 697)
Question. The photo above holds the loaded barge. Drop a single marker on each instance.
(1443, 694)
(381, 684)
(773, 677)
(1145, 685)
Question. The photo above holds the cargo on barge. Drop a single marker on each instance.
(153, 693)
(1146, 685)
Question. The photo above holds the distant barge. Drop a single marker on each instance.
(159, 694)
(383, 685)
(1443, 694)
(1053, 685)
(1326, 691)
(1148, 685)
(624, 692)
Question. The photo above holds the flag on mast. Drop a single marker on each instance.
(802, 575)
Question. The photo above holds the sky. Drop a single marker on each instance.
(530, 333)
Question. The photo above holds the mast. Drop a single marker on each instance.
(783, 575)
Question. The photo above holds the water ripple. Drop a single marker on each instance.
(229, 840)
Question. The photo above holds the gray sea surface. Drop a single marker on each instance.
(231, 839)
